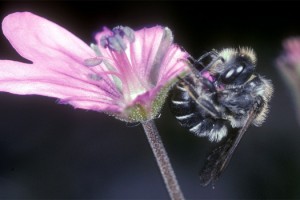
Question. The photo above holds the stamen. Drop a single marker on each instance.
(92, 62)
(124, 31)
(104, 41)
(116, 41)
(96, 49)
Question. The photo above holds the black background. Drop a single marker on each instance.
(53, 151)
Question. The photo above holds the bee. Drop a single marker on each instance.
(219, 99)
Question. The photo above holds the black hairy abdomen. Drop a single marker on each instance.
(183, 105)
(187, 105)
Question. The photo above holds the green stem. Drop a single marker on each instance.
(162, 160)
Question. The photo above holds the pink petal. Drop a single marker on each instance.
(172, 67)
(57, 69)
(159, 58)
(24, 79)
(143, 51)
(42, 41)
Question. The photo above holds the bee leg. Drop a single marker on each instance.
(206, 104)
(212, 53)
(212, 62)
(215, 57)
(197, 65)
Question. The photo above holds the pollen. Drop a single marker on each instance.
(92, 62)
(115, 42)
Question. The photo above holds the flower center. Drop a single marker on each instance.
(118, 66)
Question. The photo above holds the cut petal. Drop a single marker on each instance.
(42, 41)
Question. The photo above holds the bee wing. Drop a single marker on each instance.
(219, 158)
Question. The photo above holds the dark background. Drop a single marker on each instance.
(53, 151)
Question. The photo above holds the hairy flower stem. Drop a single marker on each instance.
(163, 160)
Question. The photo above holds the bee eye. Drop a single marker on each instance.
(234, 72)
(235, 75)
(240, 69)
(229, 74)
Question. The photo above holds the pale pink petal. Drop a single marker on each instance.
(93, 104)
(25, 79)
(57, 69)
(148, 96)
(153, 49)
(144, 50)
(172, 67)
(42, 41)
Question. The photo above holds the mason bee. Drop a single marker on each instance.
(219, 99)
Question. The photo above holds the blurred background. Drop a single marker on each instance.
(53, 151)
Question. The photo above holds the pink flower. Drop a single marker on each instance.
(289, 66)
(126, 73)
(291, 54)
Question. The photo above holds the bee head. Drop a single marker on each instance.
(237, 66)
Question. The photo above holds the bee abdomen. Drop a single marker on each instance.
(183, 107)
(189, 115)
